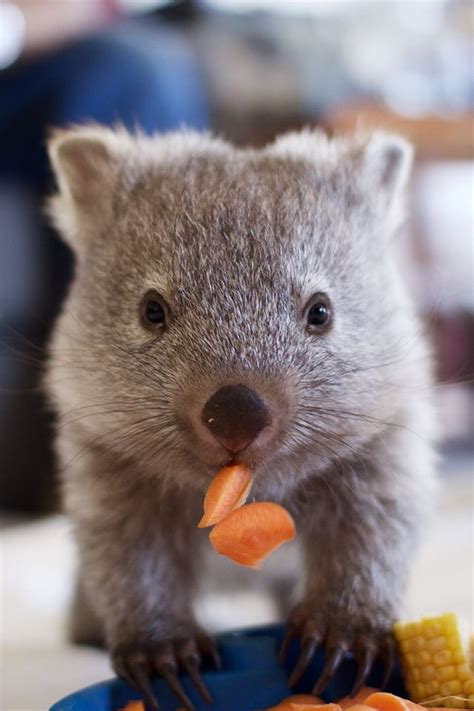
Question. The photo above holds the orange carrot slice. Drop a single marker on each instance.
(387, 702)
(134, 706)
(249, 534)
(227, 491)
(312, 707)
(299, 702)
(359, 698)
(360, 707)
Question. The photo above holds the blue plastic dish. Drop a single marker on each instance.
(251, 678)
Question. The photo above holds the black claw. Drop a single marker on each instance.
(308, 648)
(290, 634)
(191, 665)
(172, 680)
(164, 662)
(365, 660)
(334, 657)
(388, 654)
(143, 685)
(137, 676)
(209, 649)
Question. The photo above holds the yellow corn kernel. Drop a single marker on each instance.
(468, 686)
(415, 644)
(433, 688)
(451, 688)
(414, 628)
(433, 630)
(420, 690)
(463, 672)
(436, 644)
(428, 673)
(449, 621)
(423, 658)
(443, 657)
(446, 673)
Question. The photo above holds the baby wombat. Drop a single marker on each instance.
(259, 286)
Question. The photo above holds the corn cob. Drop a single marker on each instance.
(435, 666)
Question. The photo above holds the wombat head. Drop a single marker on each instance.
(228, 302)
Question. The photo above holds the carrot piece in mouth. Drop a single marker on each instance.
(249, 534)
(227, 491)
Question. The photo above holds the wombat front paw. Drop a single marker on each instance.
(338, 634)
(136, 663)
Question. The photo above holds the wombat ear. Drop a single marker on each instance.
(85, 162)
(387, 160)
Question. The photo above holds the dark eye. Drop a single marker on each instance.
(318, 314)
(154, 311)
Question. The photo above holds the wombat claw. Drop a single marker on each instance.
(365, 648)
(136, 663)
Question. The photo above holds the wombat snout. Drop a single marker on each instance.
(235, 415)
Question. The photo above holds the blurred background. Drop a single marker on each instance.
(248, 70)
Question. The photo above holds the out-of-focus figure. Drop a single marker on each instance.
(60, 63)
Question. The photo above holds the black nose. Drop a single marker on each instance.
(235, 414)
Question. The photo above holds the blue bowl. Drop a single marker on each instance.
(251, 678)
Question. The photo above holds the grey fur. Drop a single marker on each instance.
(237, 241)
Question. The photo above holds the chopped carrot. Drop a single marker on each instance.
(305, 699)
(227, 491)
(359, 698)
(249, 534)
(134, 706)
(313, 707)
(372, 698)
(388, 702)
(301, 702)
(360, 707)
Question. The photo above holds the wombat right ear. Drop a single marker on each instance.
(387, 161)
(85, 162)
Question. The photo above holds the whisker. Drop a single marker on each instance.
(335, 461)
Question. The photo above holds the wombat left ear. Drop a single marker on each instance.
(83, 160)
(387, 161)
(86, 162)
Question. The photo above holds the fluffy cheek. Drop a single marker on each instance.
(339, 410)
